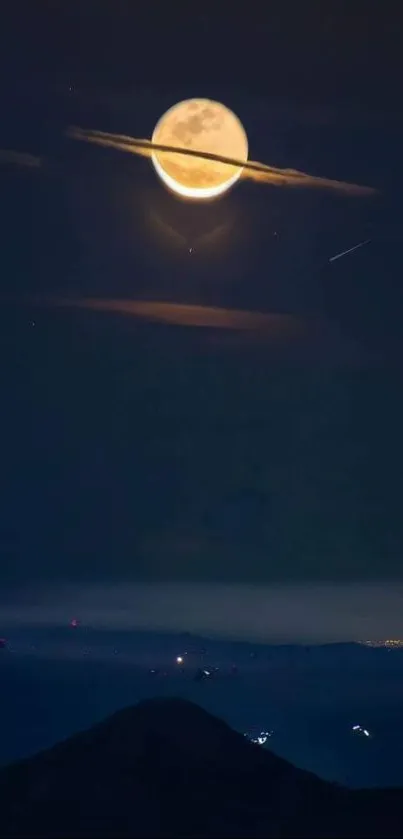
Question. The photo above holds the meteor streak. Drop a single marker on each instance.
(343, 253)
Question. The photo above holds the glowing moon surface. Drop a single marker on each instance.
(199, 125)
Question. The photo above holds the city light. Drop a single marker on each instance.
(361, 731)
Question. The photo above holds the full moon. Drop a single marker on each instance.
(199, 125)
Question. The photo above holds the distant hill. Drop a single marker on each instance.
(168, 768)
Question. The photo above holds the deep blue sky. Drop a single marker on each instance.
(340, 52)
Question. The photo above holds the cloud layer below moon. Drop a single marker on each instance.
(322, 342)
(280, 614)
(183, 314)
(253, 170)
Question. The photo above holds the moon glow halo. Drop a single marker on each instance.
(199, 125)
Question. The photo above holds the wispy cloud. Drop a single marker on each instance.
(18, 158)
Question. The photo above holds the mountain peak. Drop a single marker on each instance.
(167, 767)
(178, 731)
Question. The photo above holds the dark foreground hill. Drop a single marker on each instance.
(168, 768)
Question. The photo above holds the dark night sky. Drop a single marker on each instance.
(158, 479)
(140, 452)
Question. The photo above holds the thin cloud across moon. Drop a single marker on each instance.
(187, 145)
(206, 126)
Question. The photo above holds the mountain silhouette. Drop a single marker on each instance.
(166, 767)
